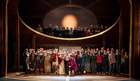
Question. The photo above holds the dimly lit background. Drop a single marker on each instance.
(105, 12)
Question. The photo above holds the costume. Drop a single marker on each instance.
(73, 65)
(61, 65)
(47, 63)
(99, 61)
(93, 63)
(86, 62)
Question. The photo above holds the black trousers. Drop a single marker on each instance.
(99, 67)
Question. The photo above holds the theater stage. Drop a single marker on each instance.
(22, 77)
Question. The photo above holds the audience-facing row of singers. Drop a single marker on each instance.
(73, 61)
(68, 32)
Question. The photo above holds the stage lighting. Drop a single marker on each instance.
(70, 21)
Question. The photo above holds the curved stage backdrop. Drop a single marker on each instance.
(85, 19)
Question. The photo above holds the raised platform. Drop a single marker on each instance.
(24, 77)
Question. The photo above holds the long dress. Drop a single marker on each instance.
(93, 63)
(79, 62)
(47, 64)
(88, 69)
(61, 67)
(73, 64)
(86, 63)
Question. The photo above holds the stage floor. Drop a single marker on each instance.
(23, 77)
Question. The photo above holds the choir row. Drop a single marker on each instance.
(76, 61)
(69, 32)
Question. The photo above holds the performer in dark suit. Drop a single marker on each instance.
(79, 61)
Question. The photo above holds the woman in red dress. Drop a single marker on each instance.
(73, 65)
(99, 61)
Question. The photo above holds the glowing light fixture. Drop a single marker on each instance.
(70, 21)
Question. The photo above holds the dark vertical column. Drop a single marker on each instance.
(125, 32)
(13, 37)
(125, 24)
(3, 39)
(0, 38)
(120, 33)
(17, 56)
(6, 39)
(136, 40)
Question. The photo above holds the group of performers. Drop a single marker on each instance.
(68, 32)
(76, 61)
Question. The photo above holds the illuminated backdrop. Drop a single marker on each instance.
(70, 15)
(69, 21)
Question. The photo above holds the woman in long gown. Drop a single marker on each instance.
(73, 65)
(86, 62)
(93, 61)
(61, 65)
(47, 64)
